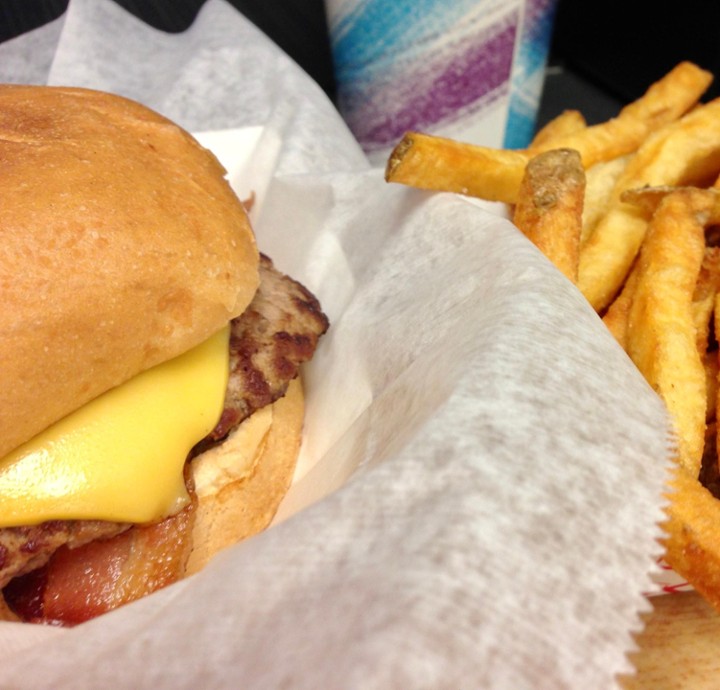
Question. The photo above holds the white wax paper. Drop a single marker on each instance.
(478, 494)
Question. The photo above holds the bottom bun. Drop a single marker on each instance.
(240, 483)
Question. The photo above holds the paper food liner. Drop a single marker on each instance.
(478, 493)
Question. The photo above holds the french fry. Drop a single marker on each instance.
(692, 541)
(692, 530)
(686, 151)
(608, 253)
(430, 162)
(647, 198)
(566, 123)
(549, 207)
(665, 101)
(712, 387)
(692, 534)
(661, 337)
(706, 289)
(703, 302)
(436, 163)
(600, 180)
(676, 92)
(617, 315)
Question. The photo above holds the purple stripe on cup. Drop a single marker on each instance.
(437, 85)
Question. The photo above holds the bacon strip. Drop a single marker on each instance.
(78, 584)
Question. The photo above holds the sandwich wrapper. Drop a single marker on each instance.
(479, 490)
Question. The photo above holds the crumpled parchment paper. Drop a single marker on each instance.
(477, 499)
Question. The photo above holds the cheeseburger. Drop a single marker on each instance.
(151, 409)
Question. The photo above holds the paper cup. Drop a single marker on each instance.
(468, 69)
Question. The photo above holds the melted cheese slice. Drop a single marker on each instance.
(120, 457)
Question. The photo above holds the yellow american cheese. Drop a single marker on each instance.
(120, 457)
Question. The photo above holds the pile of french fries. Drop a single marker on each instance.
(629, 211)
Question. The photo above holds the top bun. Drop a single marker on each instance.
(122, 246)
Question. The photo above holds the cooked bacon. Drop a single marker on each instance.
(78, 584)
(23, 549)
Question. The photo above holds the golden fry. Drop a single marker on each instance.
(617, 314)
(436, 163)
(602, 269)
(707, 286)
(661, 337)
(549, 207)
(647, 198)
(430, 162)
(566, 123)
(600, 180)
(706, 289)
(665, 101)
(692, 541)
(684, 152)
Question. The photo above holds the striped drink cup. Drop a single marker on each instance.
(467, 69)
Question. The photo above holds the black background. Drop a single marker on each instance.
(624, 45)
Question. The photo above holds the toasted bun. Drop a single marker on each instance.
(122, 246)
(241, 482)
